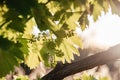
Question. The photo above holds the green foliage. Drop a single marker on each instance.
(22, 78)
(97, 10)
(85, 76)
(83, 21)
(24, 45)
(68, 48)
(103, 78)
(2, 78)
(99, 5)
(41, 15)
(10, 55)
(60, 17)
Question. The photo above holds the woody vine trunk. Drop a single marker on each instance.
(63, 70)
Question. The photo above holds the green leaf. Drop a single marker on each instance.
(41, 14)
(87, 77)
(76, 40)
(47, 52)
(22, 78)
(32, 60)
(22, 6)
(24, 45)
(72, 20)
(3, 78)
(15, 50)
(97, 8)
(83, 20)
(54, 7)
(33, 57)
(10, 55)
(17, 25)
(62, 18)
(5, 43)
(44, 52)
(11, 15)
(68, 48)
(7, 62)
(104, 78)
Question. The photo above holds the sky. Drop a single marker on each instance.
(105, 31)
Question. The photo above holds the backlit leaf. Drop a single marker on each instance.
(68, 48)
(87, 77)
(33, 57)
(97, 10)
(72, 20)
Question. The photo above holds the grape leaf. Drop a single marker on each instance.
(7, 62)
(32, 60)
(87, 77)
(47, 52)
(54, 7)
(41, 15)
(24, 46)
(8, 56)
(17, 25)
(72, 20)
(21, 77)
(33, 57)
(96, 10)
(104, 78)
(83, 20)
(76, 40)
(68, 48)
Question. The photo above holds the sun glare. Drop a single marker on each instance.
(105, 31)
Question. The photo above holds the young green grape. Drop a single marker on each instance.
(51, 45)
(59, 53)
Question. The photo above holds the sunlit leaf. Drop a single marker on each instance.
(33, 57)
(32, 60)
(97, 10)
(54, 7)
(24, 45)
(72, 20)
(83, 20)
(47, 52)
(68, 48)
(22, 77)
(68, 55)
(87, 77)
(104, 78)
(76, 40)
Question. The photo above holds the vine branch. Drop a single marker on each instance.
(68, 69)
